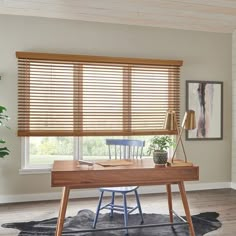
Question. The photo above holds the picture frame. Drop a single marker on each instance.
(206, 99)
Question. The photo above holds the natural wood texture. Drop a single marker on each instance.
(222, 201)
(108, 163)
(143, 172)
(100, 59)
(97, 133)
(186, 207)
(213, 16)
(170, 206)
(62, 212)
(93, 95)
(178, 163)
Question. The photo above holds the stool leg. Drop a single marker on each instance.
(125, 212)
(98, 209)
(112, 203)
(139, 205)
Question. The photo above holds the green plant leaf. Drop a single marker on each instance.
(161, 143)
(2, 141)
(4, 152)
(3, 118)
(2, 109)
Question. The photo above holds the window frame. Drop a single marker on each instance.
(26, 57)
(26, 168)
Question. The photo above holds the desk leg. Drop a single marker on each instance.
(169, 194)
(186, 207)
(62, 212)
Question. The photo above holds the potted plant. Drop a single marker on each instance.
(159, 146)
(3, 118)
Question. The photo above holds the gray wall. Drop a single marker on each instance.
(206, 56)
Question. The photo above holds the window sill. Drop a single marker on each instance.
(29, 171)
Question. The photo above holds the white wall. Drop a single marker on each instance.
(234, 109)
(206, 56)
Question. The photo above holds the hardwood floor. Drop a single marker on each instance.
(222, 201)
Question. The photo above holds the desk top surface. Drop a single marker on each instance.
(140, 172)
(73, 165)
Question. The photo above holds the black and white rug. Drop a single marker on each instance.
(203, 223)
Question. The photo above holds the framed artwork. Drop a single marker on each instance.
(206, 99)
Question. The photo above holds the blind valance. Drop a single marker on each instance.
(77, 95)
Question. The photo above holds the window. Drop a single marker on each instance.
(66, 96)
(40, 152)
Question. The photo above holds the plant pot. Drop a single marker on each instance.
(160, 157)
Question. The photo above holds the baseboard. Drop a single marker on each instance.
(188, 186)
(82, 193)
(88, 193)
(233, 185)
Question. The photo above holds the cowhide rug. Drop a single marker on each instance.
(203, 223)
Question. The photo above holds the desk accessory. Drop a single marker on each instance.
(89, 163)
(107, 163)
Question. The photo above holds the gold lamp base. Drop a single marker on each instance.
(177, 163)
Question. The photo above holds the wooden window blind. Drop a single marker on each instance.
(77, 95)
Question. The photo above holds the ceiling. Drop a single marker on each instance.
(203, 15)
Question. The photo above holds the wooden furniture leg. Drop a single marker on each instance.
(169, 194)
(62, 212)
(186, 207)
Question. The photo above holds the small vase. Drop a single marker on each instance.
(160, 157)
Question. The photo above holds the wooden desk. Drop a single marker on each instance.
(68, 175)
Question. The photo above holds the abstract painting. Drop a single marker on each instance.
(206, 99)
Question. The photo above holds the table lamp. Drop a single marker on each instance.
(188, 123)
